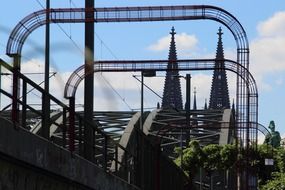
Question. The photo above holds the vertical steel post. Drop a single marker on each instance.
(81, 152)
(188, 107)
(16, 91)
(141, 118)
(24, 105)
(45, 97)
(64, 127)
(116, 158)
(0, 83)
(71, 129)
(89, 81)
(141, 144)
(105, 153)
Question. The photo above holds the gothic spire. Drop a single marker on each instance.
(172, 97)
(195, 101)
(195, 122)
(233, 105)
(219, 97)
(205, 105)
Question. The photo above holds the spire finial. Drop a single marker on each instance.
(172, 31)
(220, 33)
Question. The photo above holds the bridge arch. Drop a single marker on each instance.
(161, 65)
(128, 14)
(138, 14)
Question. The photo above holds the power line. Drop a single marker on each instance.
(68, 36)
(82, 52)
(106, 46)
(74, 5)
(30, 91)
(123, 99)
(148, 87)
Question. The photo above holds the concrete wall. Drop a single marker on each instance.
(30, 162)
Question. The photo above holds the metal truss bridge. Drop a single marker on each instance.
(118, 144)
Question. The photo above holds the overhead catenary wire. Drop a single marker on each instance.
(123, 99)
(106, 46)
(30, 91)
(69, 36)
(148, 87)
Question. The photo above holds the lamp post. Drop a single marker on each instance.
(141, 118)
(46, 101)
(0, 84)
(145, 73)
(187, 107)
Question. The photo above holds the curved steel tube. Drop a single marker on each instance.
(263, 129)
(158, 65)
(126, 14)
(161, 65)
(156, 13)
(141, 14)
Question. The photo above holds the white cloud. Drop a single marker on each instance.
(267, 50)
(183, 42)
(117, 80)
(273, 26)
(34, 69)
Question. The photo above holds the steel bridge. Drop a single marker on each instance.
(111, 152)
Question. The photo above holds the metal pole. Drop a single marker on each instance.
(181, 153)
(89, 135)
(141, 118)
(46, 102)
(16, 90)
(200, 178)
(188, 107)
(0, 83)
(71, 128)
(212, 185)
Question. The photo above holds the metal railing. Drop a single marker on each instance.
(62, 132)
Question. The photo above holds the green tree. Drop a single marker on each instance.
(279, 158)
(264, 151)
(277, 183)
(213, 157)
(192, 158)
(228, 156)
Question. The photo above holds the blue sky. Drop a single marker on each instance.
(264, 22)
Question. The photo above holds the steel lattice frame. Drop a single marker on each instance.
(246, 104)
(143, 14)
(128, 14)
(247, 132)
(169, 127)
(161, 65)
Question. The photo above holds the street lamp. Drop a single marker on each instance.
(187, 106)
(144, 73)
